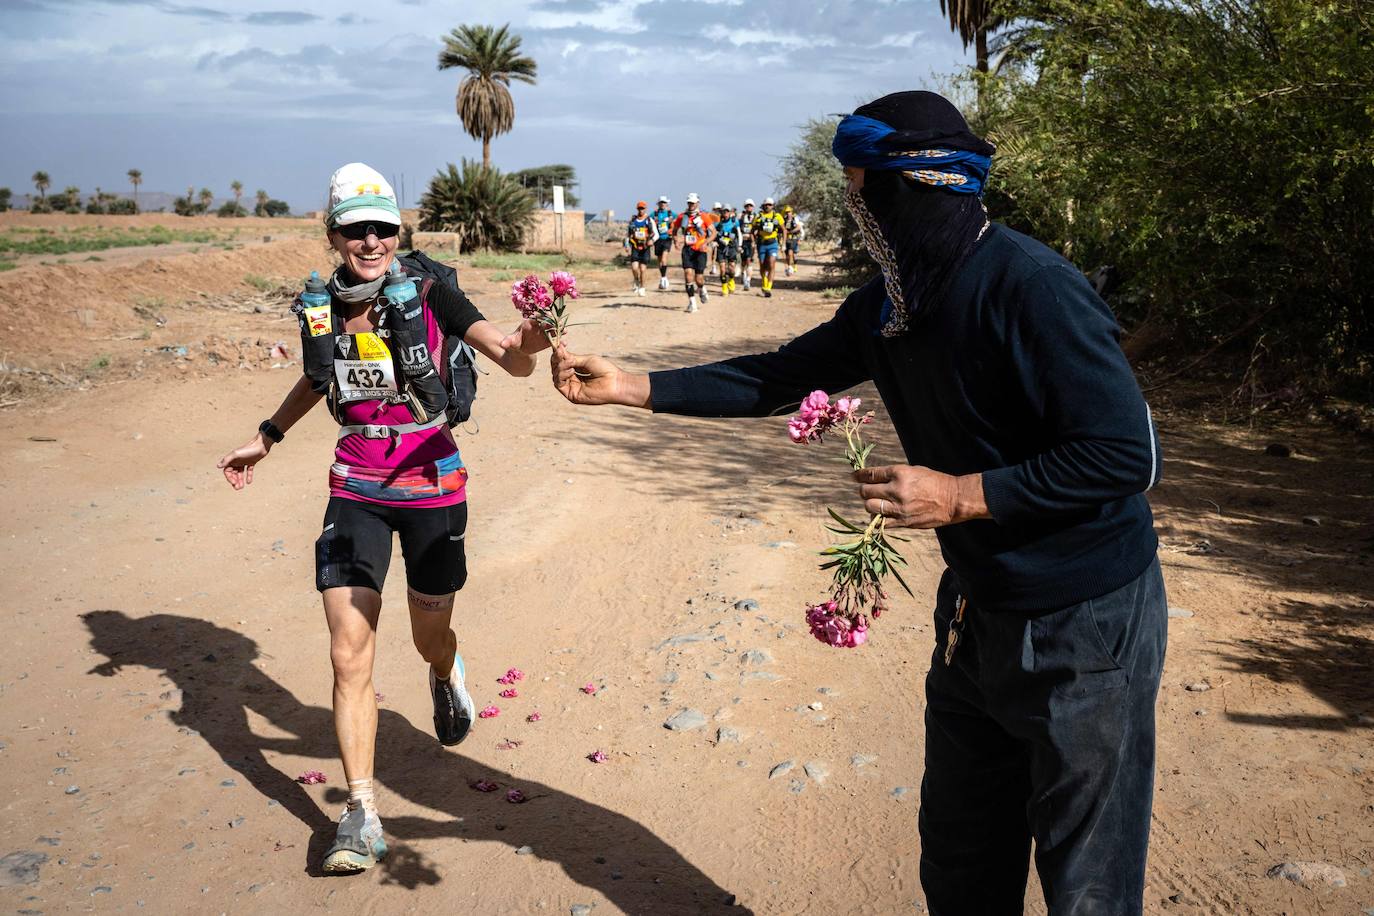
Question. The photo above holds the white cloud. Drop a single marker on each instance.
(741, 37)
(900, 40)
(615, 16)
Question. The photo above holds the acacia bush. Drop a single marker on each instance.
(488, 209)
(1218, 154)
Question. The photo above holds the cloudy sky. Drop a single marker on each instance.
(642, 96)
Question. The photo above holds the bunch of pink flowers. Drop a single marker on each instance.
(860, 564)
(835, 629)
(546, 305)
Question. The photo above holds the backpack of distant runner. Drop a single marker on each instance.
(457, 360)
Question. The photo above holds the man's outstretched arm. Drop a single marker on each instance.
(827, 357)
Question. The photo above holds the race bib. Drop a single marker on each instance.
(363, 371)
(691, 238)
(641, 234)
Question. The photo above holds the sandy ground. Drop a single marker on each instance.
(168, 675)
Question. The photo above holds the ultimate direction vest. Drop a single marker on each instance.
(406, 360)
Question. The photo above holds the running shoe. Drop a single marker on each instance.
(453, 709)
(701, 294)
(767, 294)
(641, 292)
(691, 306)
(358, 845)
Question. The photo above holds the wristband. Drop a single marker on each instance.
(269, 429)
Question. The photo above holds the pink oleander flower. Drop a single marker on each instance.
(589, 689)
(563, 284)
(814, 406)
(835, 629)
(312, 778)
(597, 757)
(533, 717)
(509, 693)
(489, 713)
(511, 676)
(379, 696)
(530, 297)
(484, 785)
(516, 797)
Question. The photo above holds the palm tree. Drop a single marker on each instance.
(261, 200)
(42, 182)
(135, 179)
(492, 58)
(972, 19)
(207, 197)
(237, 187)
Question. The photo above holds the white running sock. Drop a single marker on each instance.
(360, 795)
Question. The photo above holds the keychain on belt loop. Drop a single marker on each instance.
(956, 626)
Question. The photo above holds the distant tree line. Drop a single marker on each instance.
(70, 200)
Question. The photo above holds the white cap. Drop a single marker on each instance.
(358, 193)
(726, 207)
(715, 206)
(693, 199)
(663, 199)
(767, 201)
(748, 201)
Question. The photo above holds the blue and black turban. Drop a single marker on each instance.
(917, 231)
(919, 134)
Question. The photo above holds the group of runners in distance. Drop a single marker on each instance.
(721, 241)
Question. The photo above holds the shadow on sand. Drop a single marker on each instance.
(213, 666)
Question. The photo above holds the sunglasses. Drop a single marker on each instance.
(356, 232)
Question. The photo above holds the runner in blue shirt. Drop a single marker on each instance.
(663, 220)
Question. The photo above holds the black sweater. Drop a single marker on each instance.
(1018, 374)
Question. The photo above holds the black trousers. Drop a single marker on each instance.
(1042, 728)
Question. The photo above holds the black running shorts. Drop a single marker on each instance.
(639, 255)
(693, 260)
(727, 253)
(355, 546)
(662, 245)
(746, 252)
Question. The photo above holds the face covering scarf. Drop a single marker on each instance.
(920, 212)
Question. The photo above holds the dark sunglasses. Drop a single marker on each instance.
(356, 232)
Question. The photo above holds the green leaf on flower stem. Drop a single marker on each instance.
(902, 582)
(865, 452)
(831, 564)
(847, 524)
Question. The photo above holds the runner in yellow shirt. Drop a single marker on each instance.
(767, 233)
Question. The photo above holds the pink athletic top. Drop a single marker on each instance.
(418, 470)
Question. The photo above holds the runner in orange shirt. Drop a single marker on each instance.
(698, 230)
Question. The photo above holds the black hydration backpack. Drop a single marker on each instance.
(457, 361)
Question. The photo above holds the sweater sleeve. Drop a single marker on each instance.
(827, 357)
(1100, 440)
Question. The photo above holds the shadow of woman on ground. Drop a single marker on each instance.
(213, 666)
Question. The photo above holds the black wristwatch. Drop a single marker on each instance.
(269, 429)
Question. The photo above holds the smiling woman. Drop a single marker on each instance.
(373, 341)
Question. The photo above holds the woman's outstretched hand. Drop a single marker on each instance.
(529, 338)
(238, 464)
(597, 380)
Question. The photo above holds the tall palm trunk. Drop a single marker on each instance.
(486, 151)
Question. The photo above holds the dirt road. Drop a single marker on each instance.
(167, 677)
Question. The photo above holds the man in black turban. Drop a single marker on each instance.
(1029, 450)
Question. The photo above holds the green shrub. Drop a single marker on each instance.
(489, 210)
(1219, 154)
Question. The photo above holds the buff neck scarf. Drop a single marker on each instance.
(358, 292)
(920, 212)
